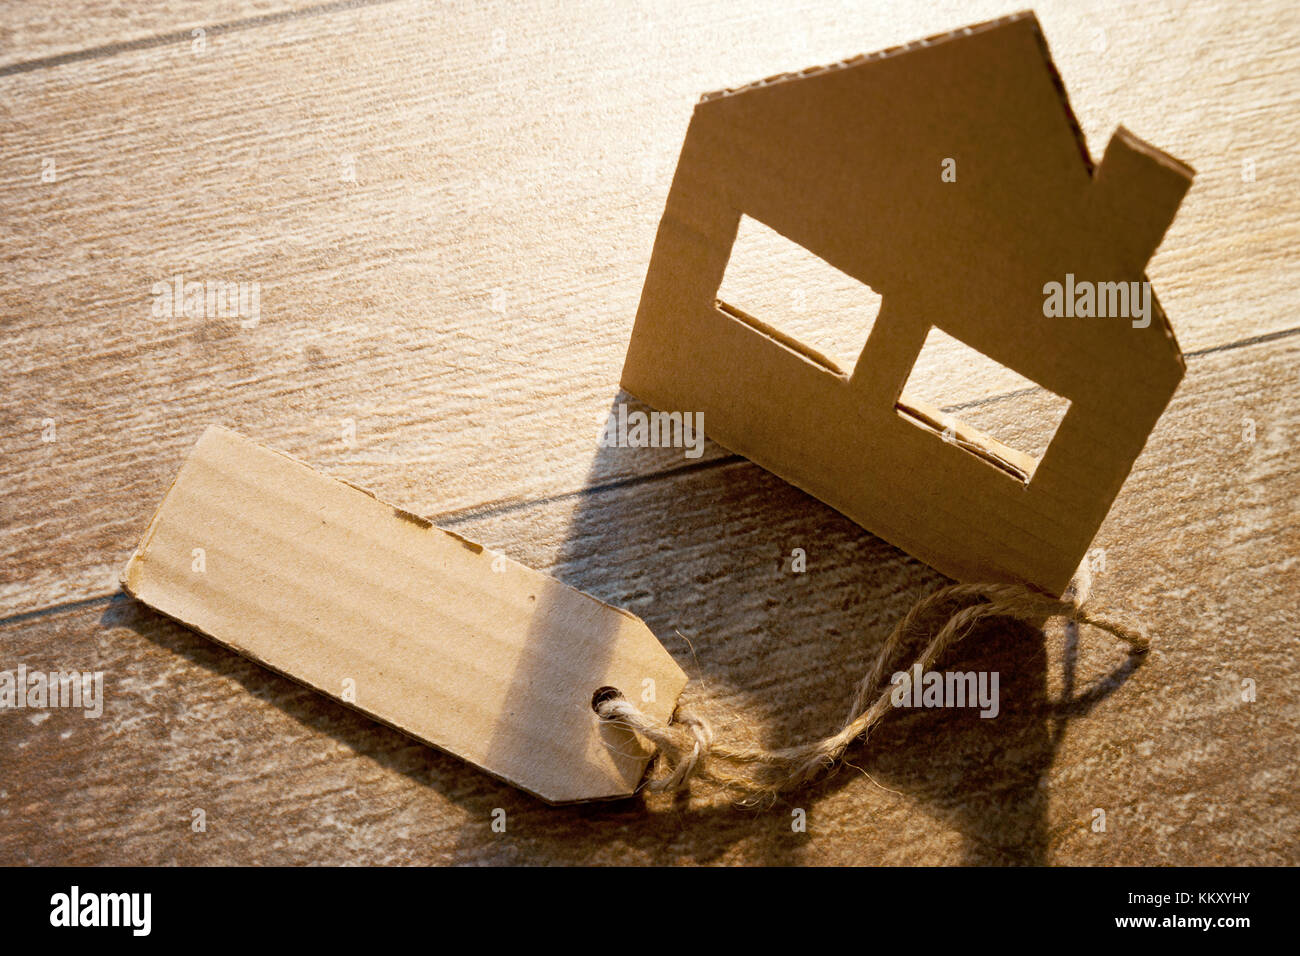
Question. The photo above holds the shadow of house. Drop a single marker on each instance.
(702, 555)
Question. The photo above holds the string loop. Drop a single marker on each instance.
(685, 749)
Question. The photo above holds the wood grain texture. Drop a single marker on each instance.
(1201, 549)
(36, 34)
(466, 301)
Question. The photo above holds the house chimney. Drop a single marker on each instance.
(1135, 192)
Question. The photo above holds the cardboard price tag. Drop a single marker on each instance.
(412, 625)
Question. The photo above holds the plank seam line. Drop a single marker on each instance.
(76, 605)
(474, 512)
(461, 515)
(1243, 343)
(185, 35)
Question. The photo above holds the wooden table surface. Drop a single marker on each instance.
(449, 209)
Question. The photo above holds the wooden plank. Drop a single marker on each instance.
(38, 34)
(1201, 549)
(466, 302)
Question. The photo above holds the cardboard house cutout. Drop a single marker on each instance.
(848, 161)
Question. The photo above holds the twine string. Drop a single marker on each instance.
(685, 749)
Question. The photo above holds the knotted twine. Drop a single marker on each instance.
(685, 749)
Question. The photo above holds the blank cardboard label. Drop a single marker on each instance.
(412, 625)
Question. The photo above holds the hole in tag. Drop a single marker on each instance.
(603, 694)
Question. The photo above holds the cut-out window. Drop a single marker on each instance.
(956, 391)
(811, 306)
